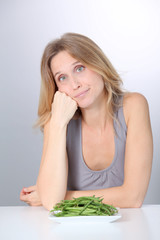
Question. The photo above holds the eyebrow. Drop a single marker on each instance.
(71, 64)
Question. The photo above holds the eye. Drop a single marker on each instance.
(79, 68)
(61, 78)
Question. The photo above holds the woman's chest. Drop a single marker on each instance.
(98, 150)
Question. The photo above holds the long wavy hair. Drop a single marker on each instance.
(86, 51)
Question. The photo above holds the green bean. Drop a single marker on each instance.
(83, 206)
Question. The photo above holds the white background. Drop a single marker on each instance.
(128, 32)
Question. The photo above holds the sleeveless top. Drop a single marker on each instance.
(80, 176)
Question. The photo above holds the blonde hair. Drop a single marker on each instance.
(86, 51)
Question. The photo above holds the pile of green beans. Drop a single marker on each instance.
(83, 206)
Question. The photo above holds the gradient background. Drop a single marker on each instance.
(127, 31)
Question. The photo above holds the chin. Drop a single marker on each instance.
(84, 105)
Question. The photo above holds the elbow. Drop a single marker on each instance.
(49, 198)
(49, 205)
(137, 199)
(131, 203)
(137, 204)
(47, 201)
(133, 199)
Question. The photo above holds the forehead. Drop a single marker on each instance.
(61, 61)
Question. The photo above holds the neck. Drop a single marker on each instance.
(96, 117)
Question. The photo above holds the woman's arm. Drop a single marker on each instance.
(53, 173)
(138, 158)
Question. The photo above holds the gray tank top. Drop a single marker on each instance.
(80, 177)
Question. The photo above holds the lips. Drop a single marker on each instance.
(81, 93)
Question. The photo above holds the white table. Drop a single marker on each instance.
(33, 223)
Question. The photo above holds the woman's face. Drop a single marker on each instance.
(83, 85)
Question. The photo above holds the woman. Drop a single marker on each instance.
(97, 138)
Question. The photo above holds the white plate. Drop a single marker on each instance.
(85, 218)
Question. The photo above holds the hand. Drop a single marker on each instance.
(30, 196)
(63, 108)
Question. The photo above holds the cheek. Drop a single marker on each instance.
(64, 89)
(98, 83)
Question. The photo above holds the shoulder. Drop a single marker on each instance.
(134, 104)
(134, 99)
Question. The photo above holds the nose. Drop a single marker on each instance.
(75, 83)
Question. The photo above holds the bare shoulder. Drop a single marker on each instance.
(134, 104)
(134, 100)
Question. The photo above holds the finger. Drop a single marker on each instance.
(26, 197)
(23, 198)
(29, 189)
(22, 193)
